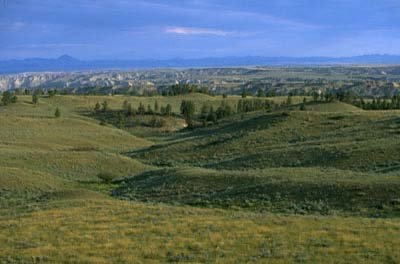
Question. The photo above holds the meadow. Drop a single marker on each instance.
(287, 185)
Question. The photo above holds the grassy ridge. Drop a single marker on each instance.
(289, 190)
(363, 141)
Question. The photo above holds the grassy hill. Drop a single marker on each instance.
(361, 141)
(285, 190)
(334, 107)
(284, 186)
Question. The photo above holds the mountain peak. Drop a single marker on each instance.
(66, 57)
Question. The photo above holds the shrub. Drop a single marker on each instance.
(57, 113)
(8, 98)
(105, 177)
(35, 98)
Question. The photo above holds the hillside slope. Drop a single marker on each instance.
(357, 140)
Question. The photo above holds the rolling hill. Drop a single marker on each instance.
(278, 186)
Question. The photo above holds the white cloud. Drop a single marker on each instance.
(197, 31)
(12, 26)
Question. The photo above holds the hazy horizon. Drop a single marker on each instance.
(160, 29)
(202, 58)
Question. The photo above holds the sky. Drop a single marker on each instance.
(164, 29)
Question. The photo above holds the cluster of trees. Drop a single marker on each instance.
(129, 110)
(335, 95)
(37, 91)
(250, 105)
(8, 98)
(208, 114)
(11, 98)
(351, 98)
(178, 89)
(124, 117)
(379, 104)
(188, 110)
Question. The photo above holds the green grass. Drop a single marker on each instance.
(361, 141)
(285, 190)
(285, 186)
(100, 230)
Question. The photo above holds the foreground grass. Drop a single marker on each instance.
(101, 230)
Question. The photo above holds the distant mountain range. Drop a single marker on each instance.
(67, 63)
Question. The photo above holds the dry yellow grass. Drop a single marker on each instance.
(102, 231)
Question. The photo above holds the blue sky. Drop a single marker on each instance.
(160, 29)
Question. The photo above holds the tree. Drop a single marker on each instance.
(105, 177)
(187, 110)
(104, 106)
(141, 109)
(156, 108)
(289, 100)
(315, 96)
(51, 93)
(120, 120)
(97, 107)
(125, 105)
(129, 110)
(35, 98)
(244, 93)
(8, 98)
(212, 116)
(224, 110)
(260, 93)
(166, 111)
(149, 110)
(204, 111)
(57, 113)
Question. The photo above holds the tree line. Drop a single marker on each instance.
(125, 117)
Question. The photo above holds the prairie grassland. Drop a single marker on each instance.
(73, 104)
(285, 190)
(100, 230)
(358, 140)
(54, 209)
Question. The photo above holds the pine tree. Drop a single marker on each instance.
(57, 113)
(8, 98)
(212, 116)
(168, 110)
(244, 93)
(97, 107)
(129, 110)
(260, 93)
(149, 110)
(156, 108)
(35, 98)
(188, 110)
(120, 120)
(125, 105)
(141, 109)
(104, 106)
(289, 100)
